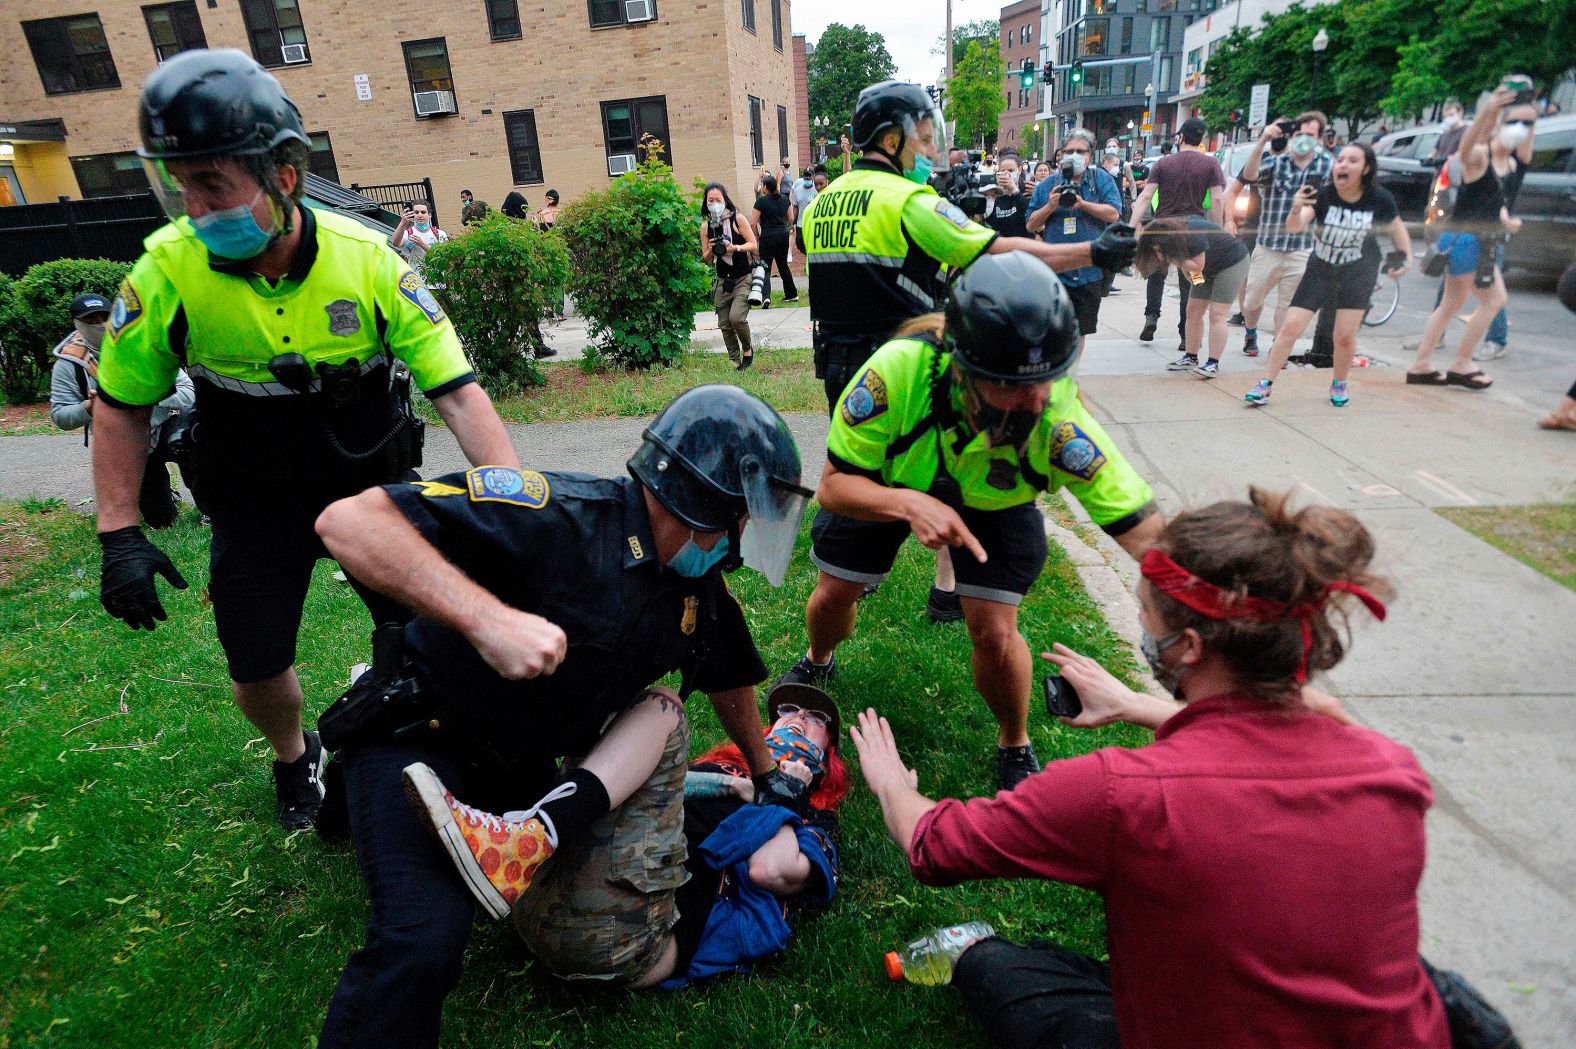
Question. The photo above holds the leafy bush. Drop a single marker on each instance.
(497, 283)
(35, 313)
(636, 274)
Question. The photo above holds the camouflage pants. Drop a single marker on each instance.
(601, 907)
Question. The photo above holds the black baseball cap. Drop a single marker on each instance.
(806, 697)
(1192, 131)
(87, 304)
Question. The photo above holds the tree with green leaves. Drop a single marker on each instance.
(1033, 140)
(1466, 46)
(847, 60)
(975, 97)
(984, 30)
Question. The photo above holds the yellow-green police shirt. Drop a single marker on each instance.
(347, 295)
(875, 244)
(890, 398)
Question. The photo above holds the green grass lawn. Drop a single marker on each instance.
(147, 899)
(1542, 536)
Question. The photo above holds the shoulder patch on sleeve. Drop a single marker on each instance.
(433, 489)
(1074, 453)
(500, 484)
(866, 400)
(413, 289)
(952, 213)
(127, 308)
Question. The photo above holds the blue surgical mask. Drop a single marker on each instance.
(1302, 145)
(423, 226)
(233, 233)
(921, 170)
(1152, 647)
(692, 562)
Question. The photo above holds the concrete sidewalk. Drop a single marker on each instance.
(1475, 668)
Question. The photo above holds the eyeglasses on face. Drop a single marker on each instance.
(788, 710)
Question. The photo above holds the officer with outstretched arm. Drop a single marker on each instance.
(302, 333)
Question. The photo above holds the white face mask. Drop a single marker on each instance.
(1513, 135)
(92, 334)
(1303, 144)
(1452, 120)
(1079, 161)
(716, 210)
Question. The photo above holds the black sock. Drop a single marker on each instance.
(569, 813)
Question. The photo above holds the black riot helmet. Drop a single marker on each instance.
(895, 104)
(1010, 320)
(715, 455)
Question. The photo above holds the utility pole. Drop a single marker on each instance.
(949, 41)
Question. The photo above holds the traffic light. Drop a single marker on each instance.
(1027, 77)
(1048, 75)
(1077, 77)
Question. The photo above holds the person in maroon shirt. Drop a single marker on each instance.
(1259, 860)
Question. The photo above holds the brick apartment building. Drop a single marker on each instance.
(486, 95)
(1020, 49)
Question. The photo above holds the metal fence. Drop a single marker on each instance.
(97, 228)
(397, 194)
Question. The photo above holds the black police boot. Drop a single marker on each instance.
(1015, 764)
(805, 672)
(298, 786)
(943, 606)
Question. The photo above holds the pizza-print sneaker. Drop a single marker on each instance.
(495, 855)
(1338, 394)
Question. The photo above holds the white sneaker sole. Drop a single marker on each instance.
(426, 795)
(1203, 374)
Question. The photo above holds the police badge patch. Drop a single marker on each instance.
(866, 400)
(1074, 452)
(127, 308)
(413, 289)
(952, 213)
(500, 484)
(342, 317)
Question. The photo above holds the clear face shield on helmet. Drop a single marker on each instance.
(257, 171)
(776, 509)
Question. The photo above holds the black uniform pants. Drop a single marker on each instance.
(1155, 294)
(1037, 995)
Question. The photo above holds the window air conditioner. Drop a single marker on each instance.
(639, 10)
(294, 54)
(620, 164)
(434, 103)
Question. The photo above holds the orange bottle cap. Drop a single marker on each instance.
(894, 966)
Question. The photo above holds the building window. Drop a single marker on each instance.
(627, 121)
(525, 153)
(782, 135)
(320, 161)
(277, 33)
(1101, 7)
(1164, 5)
(1096, 31)
(431, 80)
(71, 54)
(1127, 38)
(777, 24)
(174, 28)
(748, 8)
(756, 148)
(503, 19)
(1160, 34)
(606, 13)
(1165, 74)
(110, 175)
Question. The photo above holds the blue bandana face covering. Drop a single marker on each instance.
(788, 743)
(233, 233)
(692, 562)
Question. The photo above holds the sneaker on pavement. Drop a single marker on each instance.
(1185, 363)
(1236, 320)
(790, 298)
(805, 672)
(1015, 764)
(1490, 351)
(298, 786)
(495, 855)
(1338, 394)
(1148, 334)
(1260, 393)
(1250, 346)
(1207, 370)
(943, 606)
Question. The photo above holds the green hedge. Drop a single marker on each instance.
(636, 272)
(35, 313)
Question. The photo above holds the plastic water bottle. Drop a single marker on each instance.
(928, 961)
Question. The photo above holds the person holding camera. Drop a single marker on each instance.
(727, 242)
(1259, 860)
(1345, 263)
(1074, 208)
(416, 234)
(1008, 214)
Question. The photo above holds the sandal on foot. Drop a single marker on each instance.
(1426, 379)
(1471, 380)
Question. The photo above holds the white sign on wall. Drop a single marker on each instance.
(1259, 105)
(363, 88)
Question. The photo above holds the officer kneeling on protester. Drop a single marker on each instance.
(950, 433)
(548, 605)
(302, 333)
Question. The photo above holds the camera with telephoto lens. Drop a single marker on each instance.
(720, 241)
(758, 283)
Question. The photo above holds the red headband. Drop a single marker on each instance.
(1207, 599)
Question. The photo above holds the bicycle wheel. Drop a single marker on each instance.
(1382, 304)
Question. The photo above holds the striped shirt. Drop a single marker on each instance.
(1279, 180)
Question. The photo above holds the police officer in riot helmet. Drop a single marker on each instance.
(548, 606)
(302, 333)
(950, 432)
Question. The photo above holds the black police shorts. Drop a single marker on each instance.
(1086, 305)
(1014, 542)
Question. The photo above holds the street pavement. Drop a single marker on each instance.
(1475, 669)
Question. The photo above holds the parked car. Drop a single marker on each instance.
(1405, 168)
(1546, 205)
